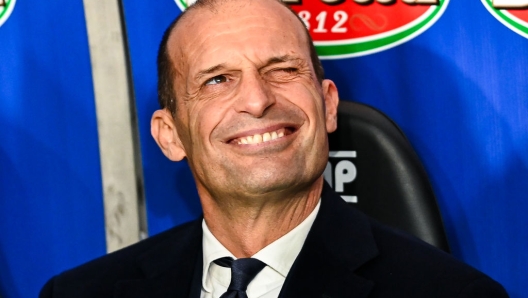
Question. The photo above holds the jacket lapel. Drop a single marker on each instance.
(173, 268)
(339, 242)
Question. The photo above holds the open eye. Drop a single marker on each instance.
(217, 80)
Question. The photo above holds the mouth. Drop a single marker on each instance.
(264, 137)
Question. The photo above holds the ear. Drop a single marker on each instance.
(166, 136)
(331, 99)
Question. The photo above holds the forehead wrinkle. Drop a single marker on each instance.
(222, 13)
(200, 48)
(197, 28)
(224, 16)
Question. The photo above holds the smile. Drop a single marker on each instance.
(261, 138)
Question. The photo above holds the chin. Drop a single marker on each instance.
(279, 183)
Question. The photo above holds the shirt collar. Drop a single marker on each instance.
(278, 255)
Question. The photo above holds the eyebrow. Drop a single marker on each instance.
(209, 70)
(281, 59)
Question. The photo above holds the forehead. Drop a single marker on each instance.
(234, 30)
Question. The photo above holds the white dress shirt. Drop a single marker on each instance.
(278, 256)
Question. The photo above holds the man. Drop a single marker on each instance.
(244, 100)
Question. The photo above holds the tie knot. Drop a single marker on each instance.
(242, 271)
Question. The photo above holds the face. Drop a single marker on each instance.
(251, 117)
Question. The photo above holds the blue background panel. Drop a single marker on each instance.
(51, 208)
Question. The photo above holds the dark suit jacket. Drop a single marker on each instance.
(346, 254)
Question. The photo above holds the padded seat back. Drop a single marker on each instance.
(373, 166)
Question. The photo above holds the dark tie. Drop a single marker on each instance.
(242, 273)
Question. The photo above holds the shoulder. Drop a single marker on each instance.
(418, 269)
(98, 276)
(398, 264)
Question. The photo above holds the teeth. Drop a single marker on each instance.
(260, 138)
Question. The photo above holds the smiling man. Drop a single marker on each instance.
(251, 117)
(244, 100)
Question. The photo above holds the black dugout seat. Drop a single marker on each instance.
(373, 166)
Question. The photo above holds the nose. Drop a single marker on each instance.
(255, 96)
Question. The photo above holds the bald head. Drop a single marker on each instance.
(168, 66)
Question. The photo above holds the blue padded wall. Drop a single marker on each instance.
(51, 206)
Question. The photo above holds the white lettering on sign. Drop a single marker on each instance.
(340, 18)
(510, 3)
(345, 172)
(321, 20)
(343, 154)
(305, 17)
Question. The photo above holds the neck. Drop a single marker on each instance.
(244, 229)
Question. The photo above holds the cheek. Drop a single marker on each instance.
(307, 98)
(204, 119)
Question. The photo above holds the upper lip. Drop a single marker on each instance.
(254, 131)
